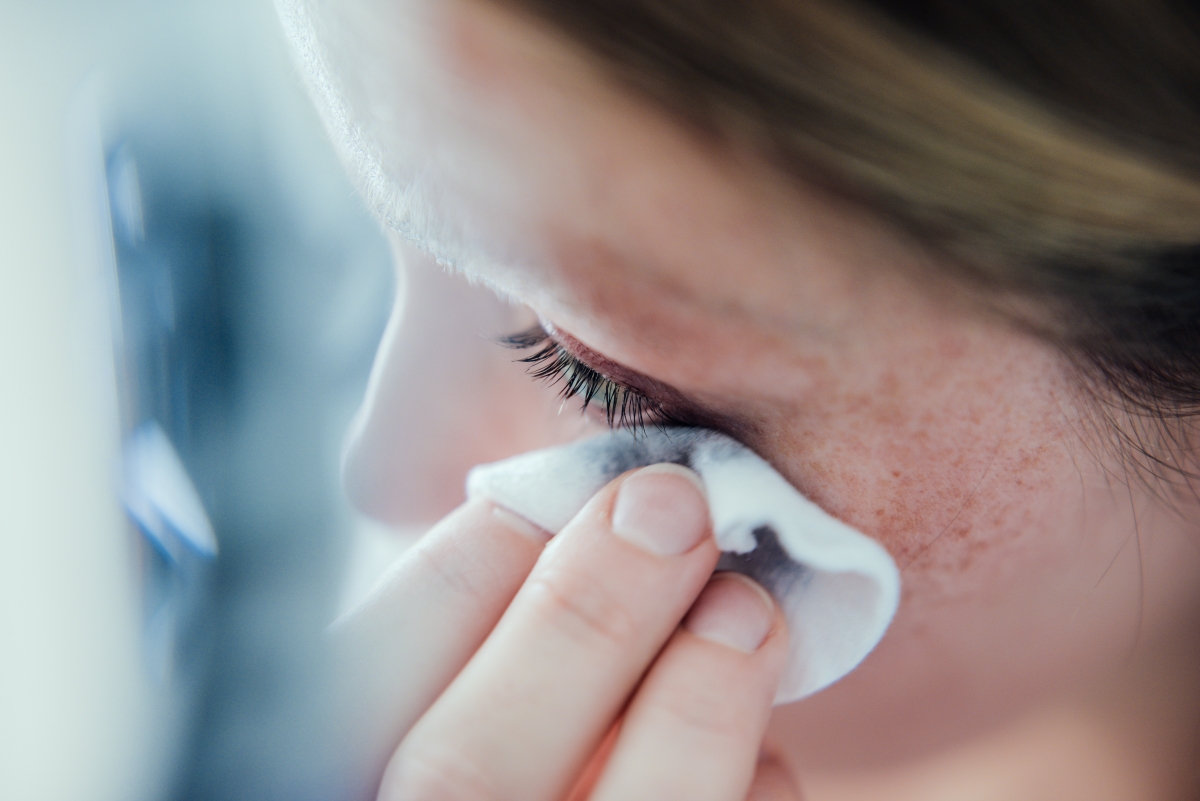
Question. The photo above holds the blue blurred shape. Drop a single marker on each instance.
(160, 497)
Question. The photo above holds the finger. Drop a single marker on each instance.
(586, 782)
(694, 729)
(773, 782)
(522, 718)
(402, 647)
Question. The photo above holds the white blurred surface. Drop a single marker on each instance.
(73, 707)
(81, 717)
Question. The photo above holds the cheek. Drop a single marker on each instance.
(1026, 563)
(982, 515)
(946, 441)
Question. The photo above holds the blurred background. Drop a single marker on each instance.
(190, 298)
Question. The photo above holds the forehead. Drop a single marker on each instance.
(560, 168)
(503, 150)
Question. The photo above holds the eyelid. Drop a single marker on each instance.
(626, 406)
(662, 394)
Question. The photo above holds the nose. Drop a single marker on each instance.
(443, 397)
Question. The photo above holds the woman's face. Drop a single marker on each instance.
(804, 329)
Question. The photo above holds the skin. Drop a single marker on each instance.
(1037, 571)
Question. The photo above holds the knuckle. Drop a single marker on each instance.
(419, 774)
(691, 703)
(456, 568)
(581, 606)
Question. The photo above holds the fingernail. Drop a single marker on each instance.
(661, 509)
(732, 610)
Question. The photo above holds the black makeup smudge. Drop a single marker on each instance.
(625, 451)
(768, 564)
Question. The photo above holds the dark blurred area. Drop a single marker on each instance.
(253, 288)
(250, 314)
(235, 353)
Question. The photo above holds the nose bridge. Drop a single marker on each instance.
(442, 398)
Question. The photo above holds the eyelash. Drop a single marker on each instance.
(624, 407)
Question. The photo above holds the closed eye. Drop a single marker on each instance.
(623, 406)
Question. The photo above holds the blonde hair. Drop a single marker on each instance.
(1051, 148)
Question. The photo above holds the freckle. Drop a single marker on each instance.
(880, 512)
(896, 474)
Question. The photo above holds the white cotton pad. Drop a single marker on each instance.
(838, 588)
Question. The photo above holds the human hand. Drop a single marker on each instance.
(524, 670)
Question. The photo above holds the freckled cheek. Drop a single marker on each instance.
(943, 493)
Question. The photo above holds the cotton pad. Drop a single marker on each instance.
(837, 587)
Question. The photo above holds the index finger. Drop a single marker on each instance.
(405, 644)
(525, 714)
